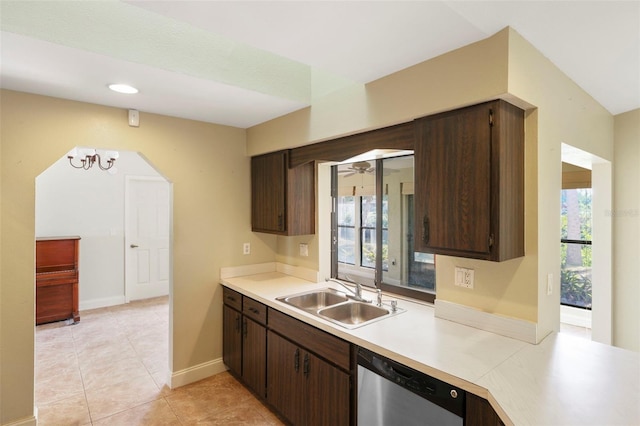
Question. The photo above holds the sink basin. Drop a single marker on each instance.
(314, 300)
(355, 313)
(333, 305)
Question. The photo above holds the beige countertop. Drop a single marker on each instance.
(564, 380)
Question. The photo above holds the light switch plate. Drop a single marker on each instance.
(134, 118)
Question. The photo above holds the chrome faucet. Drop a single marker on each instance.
(355, 294)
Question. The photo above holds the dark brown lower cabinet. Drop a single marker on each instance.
(305, 374)
(254, 347)
(284, 386)
(244, 340)
(480, 412)
(305, 389)
(232, 339)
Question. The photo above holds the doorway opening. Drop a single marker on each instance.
(585, 245)
(92, 204)
(576, 297)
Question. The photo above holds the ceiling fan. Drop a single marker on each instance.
(360, 167)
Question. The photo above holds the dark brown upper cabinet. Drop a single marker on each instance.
(469, 182)
(282, 198)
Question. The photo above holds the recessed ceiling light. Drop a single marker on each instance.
(123, 88)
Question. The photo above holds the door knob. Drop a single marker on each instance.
(133, 246)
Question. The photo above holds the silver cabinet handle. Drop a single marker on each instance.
(133, 246)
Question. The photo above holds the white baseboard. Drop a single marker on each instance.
(196, 373)
(27, 421)
(525, 331)
(101, 303)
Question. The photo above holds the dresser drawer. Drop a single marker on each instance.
(232, 298)
(254, 310)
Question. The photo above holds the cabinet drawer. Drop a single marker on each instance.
(331, 348)
(232, 298)
(254, 310)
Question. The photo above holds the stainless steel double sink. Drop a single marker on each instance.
(335, 306)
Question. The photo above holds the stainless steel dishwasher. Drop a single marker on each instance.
(391, 394)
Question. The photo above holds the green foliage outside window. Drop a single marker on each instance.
(575, 267)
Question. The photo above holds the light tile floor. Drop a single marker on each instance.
(574, 330)
(112, 367)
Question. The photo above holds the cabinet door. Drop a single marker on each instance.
(268, 192)
(254, 352)
(232, 339)
(453, 182)
(284, 372)
(480, 413)
(327, 392)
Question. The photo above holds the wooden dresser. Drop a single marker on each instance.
(57, 279)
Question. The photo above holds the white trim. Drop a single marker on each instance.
(27, 421)
(196, 373)
(575, 316)
(324, 209)
(601, 253)
(101, 303)
(525, 331)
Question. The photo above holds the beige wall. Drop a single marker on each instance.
(464, 76)
(626, 230)
(566, 114)
(209, 169)
(557, 110)
(469, 75)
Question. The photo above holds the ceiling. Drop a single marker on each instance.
(242, 63)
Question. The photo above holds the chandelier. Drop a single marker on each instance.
(89, 156)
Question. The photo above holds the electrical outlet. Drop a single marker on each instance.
(246, 248)
(304, 249)
(464, 277)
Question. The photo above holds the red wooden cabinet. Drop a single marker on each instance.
(57, 279)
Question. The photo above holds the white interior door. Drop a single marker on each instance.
(147, 230)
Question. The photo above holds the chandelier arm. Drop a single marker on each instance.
(109, 163)
(88, 161)
(73, 165)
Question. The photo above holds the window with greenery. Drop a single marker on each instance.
(575, 268)
(358, 212)
(373, 226)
